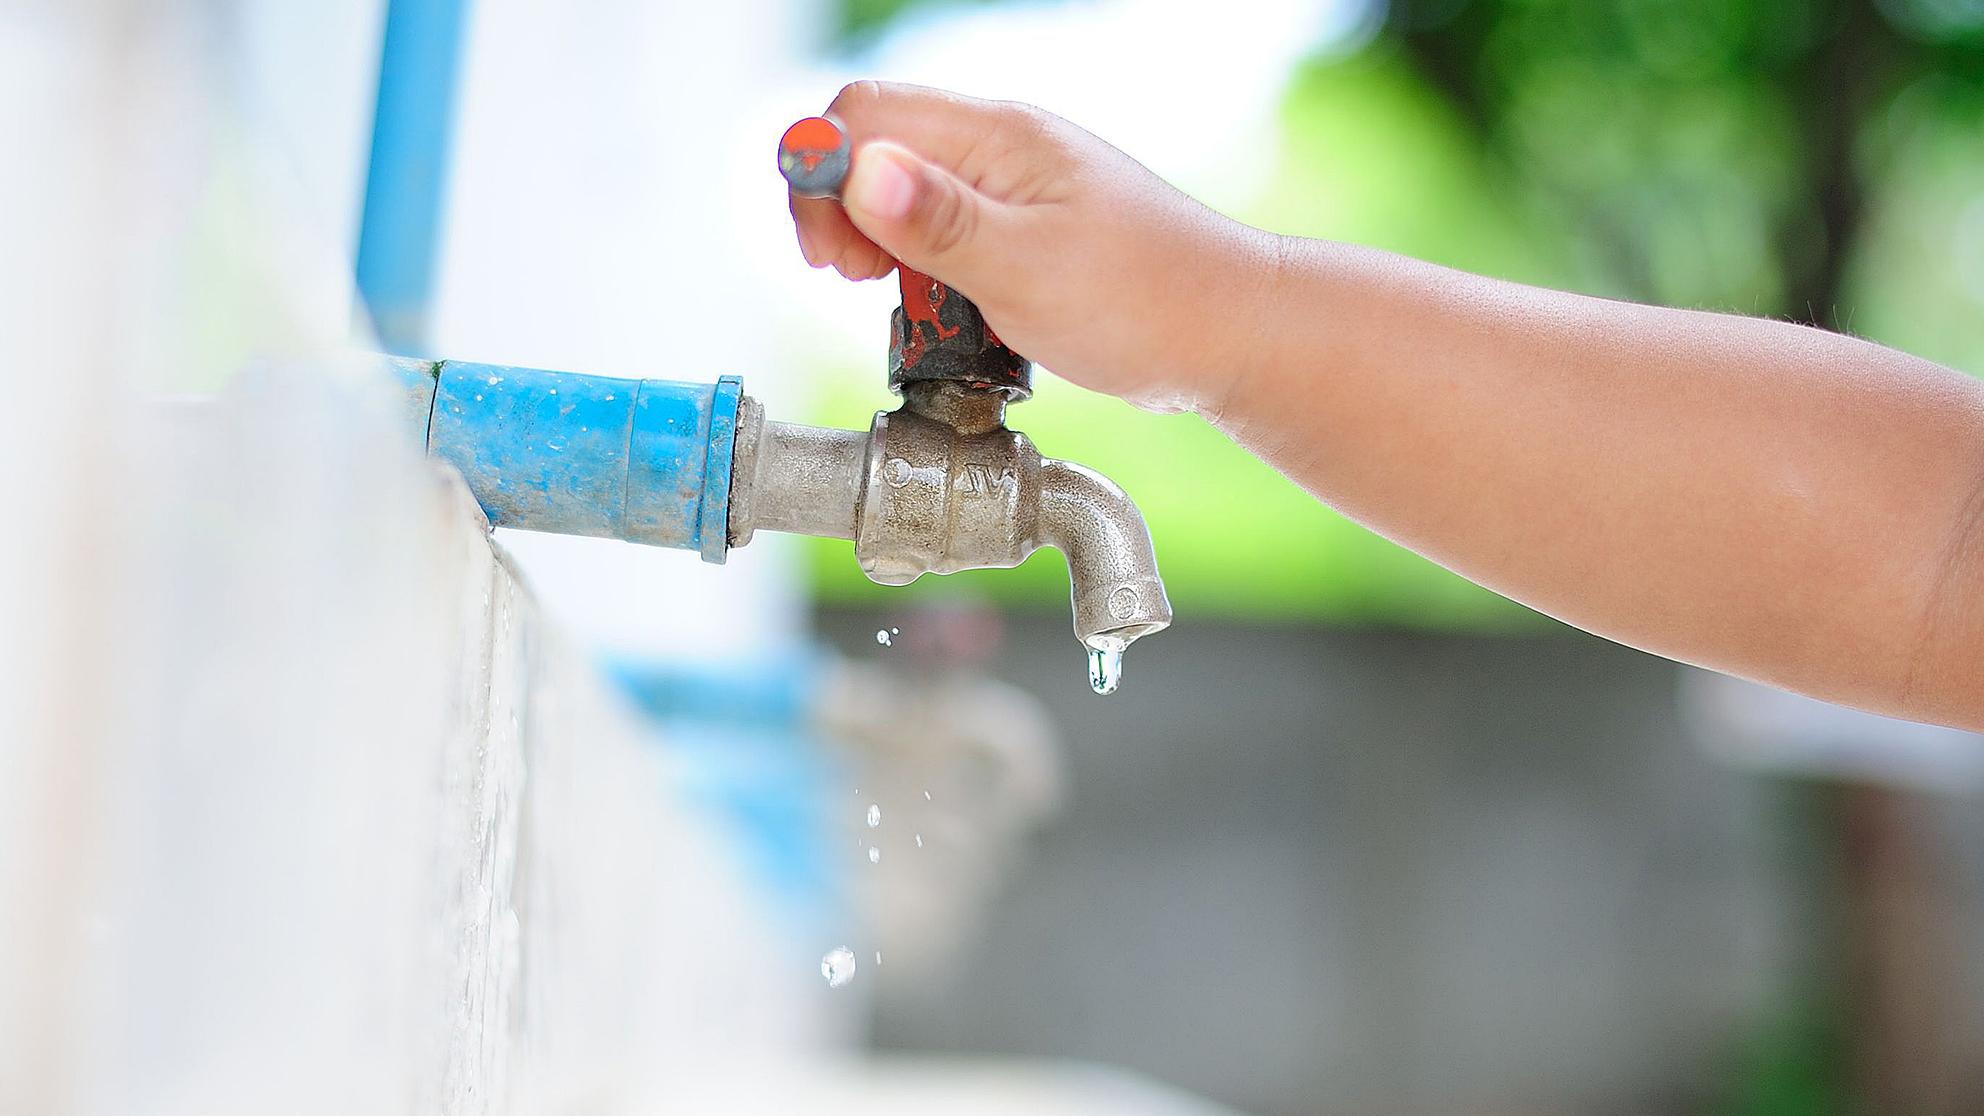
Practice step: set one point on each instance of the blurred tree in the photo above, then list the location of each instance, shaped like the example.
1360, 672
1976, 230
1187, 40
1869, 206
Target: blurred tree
1707, 152
858, 20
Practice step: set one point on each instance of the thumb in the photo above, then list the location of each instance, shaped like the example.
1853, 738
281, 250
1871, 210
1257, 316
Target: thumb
921, 214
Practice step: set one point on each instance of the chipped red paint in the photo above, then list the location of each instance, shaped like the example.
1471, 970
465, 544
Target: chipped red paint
923, 302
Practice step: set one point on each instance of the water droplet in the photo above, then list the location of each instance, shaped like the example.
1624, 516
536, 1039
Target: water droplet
838, 966
878, 957
874, 855
1105, 664
874, 815
926, 796
882, 636
919, 840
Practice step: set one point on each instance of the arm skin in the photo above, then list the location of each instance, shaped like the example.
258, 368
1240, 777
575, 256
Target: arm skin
1765, 499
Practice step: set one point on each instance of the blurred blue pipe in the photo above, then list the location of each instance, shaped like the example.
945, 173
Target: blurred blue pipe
406, 183
776, 694
745, 739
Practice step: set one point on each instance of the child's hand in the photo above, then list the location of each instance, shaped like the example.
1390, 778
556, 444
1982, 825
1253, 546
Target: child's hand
1078, 256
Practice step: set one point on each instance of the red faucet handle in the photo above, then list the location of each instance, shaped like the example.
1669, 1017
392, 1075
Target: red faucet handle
937, 334
814, 155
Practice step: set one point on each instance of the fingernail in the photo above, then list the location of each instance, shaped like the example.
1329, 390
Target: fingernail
881, 186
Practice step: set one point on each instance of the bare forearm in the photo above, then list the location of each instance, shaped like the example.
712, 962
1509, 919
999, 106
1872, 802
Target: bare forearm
1776, 501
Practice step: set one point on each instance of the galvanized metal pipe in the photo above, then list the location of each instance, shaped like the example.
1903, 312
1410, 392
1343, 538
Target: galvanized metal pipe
804, 480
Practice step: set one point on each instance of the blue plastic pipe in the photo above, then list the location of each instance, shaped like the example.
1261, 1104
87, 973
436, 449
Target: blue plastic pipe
647, 461
407, 177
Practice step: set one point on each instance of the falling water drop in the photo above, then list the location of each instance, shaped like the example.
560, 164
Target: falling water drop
874, 815
919, 840
838, 966
926, 796
882, 637
878, 958
874, 855
1105, 665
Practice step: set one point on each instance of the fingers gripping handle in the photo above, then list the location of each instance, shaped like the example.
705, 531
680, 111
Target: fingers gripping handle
937, 333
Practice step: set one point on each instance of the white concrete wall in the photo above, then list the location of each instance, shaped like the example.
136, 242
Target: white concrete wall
304, 805
363, 817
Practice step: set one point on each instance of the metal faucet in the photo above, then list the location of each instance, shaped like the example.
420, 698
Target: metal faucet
941, 485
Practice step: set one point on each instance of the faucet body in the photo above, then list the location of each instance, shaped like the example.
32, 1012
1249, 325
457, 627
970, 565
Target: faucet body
941, 485
936, 486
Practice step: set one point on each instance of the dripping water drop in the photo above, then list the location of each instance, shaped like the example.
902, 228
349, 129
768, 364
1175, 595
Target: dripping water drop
874, 855
1105, 664
838, 966
874, 815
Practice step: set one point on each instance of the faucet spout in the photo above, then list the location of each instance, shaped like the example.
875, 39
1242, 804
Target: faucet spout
1112, 569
